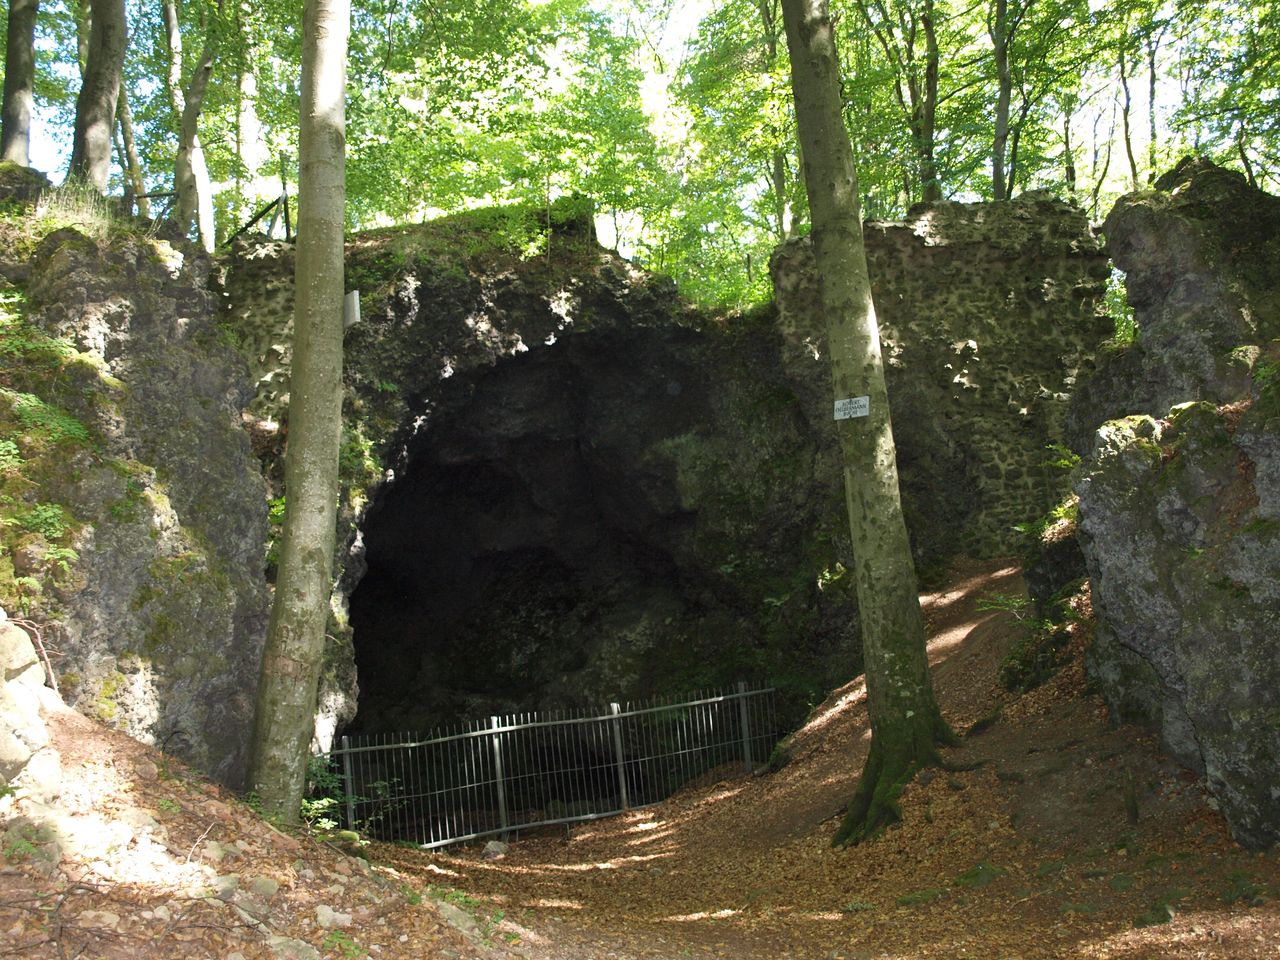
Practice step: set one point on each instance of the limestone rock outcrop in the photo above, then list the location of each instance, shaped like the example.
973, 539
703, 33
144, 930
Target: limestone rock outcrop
160, 634
561, 484
28, 763
1180, 499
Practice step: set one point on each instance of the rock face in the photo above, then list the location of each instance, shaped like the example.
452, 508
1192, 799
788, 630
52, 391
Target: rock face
575, 488
27, 761
562, 486
1180, 511
987, 317
1202, 262
161, 635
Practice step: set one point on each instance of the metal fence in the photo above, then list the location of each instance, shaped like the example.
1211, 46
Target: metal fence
524, 770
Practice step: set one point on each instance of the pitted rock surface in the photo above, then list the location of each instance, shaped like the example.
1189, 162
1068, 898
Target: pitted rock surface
988, 315
564, 485
1180, 508
162, 634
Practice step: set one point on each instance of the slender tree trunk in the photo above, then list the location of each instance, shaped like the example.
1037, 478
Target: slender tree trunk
1100, 175
1126, 105
1244, 158
778, 160
96, 105
999, 31
251, 149
1153, 48
930, 186
296, 634
1014, 142
905, 721
1068, 154
84, 27
190, 172
19, 82
132, 165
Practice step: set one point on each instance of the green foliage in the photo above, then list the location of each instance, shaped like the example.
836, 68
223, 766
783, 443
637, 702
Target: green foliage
1037, 654
1243, 888
1061, 457
1034, 658
10, 458
322, 805
1066, 513
1116, 304
980, 875
357, 466
857, 906
76, 204
340, 943
326, 799
47, 519
921, 897
41, 418
1159, 912
19, 847
454, 896
1266, 380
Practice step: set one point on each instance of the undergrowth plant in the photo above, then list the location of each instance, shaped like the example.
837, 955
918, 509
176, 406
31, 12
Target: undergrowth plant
38, 438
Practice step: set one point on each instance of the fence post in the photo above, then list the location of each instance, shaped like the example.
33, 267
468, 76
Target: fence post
348, 784
500, 778
745, 716
618, 758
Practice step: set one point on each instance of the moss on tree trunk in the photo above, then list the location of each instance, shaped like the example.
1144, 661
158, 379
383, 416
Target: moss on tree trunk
905, 722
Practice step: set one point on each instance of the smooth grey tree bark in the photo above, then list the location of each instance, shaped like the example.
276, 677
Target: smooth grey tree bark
19, 82
191, 179
131, 162
906, 724
92, 139
296, 633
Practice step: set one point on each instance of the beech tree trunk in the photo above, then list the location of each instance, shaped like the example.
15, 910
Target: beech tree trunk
190, 172
1153, 49
778, 161
1068, 155
930, 186
905, 721
132, 165
999, 31
296, 633
19, 82
1126, 105
251, 149
96, 106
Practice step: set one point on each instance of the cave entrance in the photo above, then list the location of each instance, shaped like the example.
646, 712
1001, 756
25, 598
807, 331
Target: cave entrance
526, 554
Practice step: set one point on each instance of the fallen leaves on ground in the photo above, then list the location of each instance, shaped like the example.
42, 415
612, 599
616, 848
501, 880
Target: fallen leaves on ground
1025, 848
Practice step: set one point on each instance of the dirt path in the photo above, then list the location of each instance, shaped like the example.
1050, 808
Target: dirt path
1031, 854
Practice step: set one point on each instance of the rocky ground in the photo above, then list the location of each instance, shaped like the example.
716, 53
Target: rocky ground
1056, 835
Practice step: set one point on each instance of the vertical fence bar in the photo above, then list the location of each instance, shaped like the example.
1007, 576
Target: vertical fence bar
494, 724
559, 771
348, 784
618, 757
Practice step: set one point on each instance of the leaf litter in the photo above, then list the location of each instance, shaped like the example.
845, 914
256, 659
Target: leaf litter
1053, 833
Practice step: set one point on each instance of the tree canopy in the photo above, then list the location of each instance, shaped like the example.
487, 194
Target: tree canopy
681, 129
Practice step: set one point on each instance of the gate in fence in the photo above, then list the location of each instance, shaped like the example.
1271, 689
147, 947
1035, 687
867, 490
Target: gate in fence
524, 770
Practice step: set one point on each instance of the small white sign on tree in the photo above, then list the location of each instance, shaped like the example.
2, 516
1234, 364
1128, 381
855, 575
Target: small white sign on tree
853, 407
